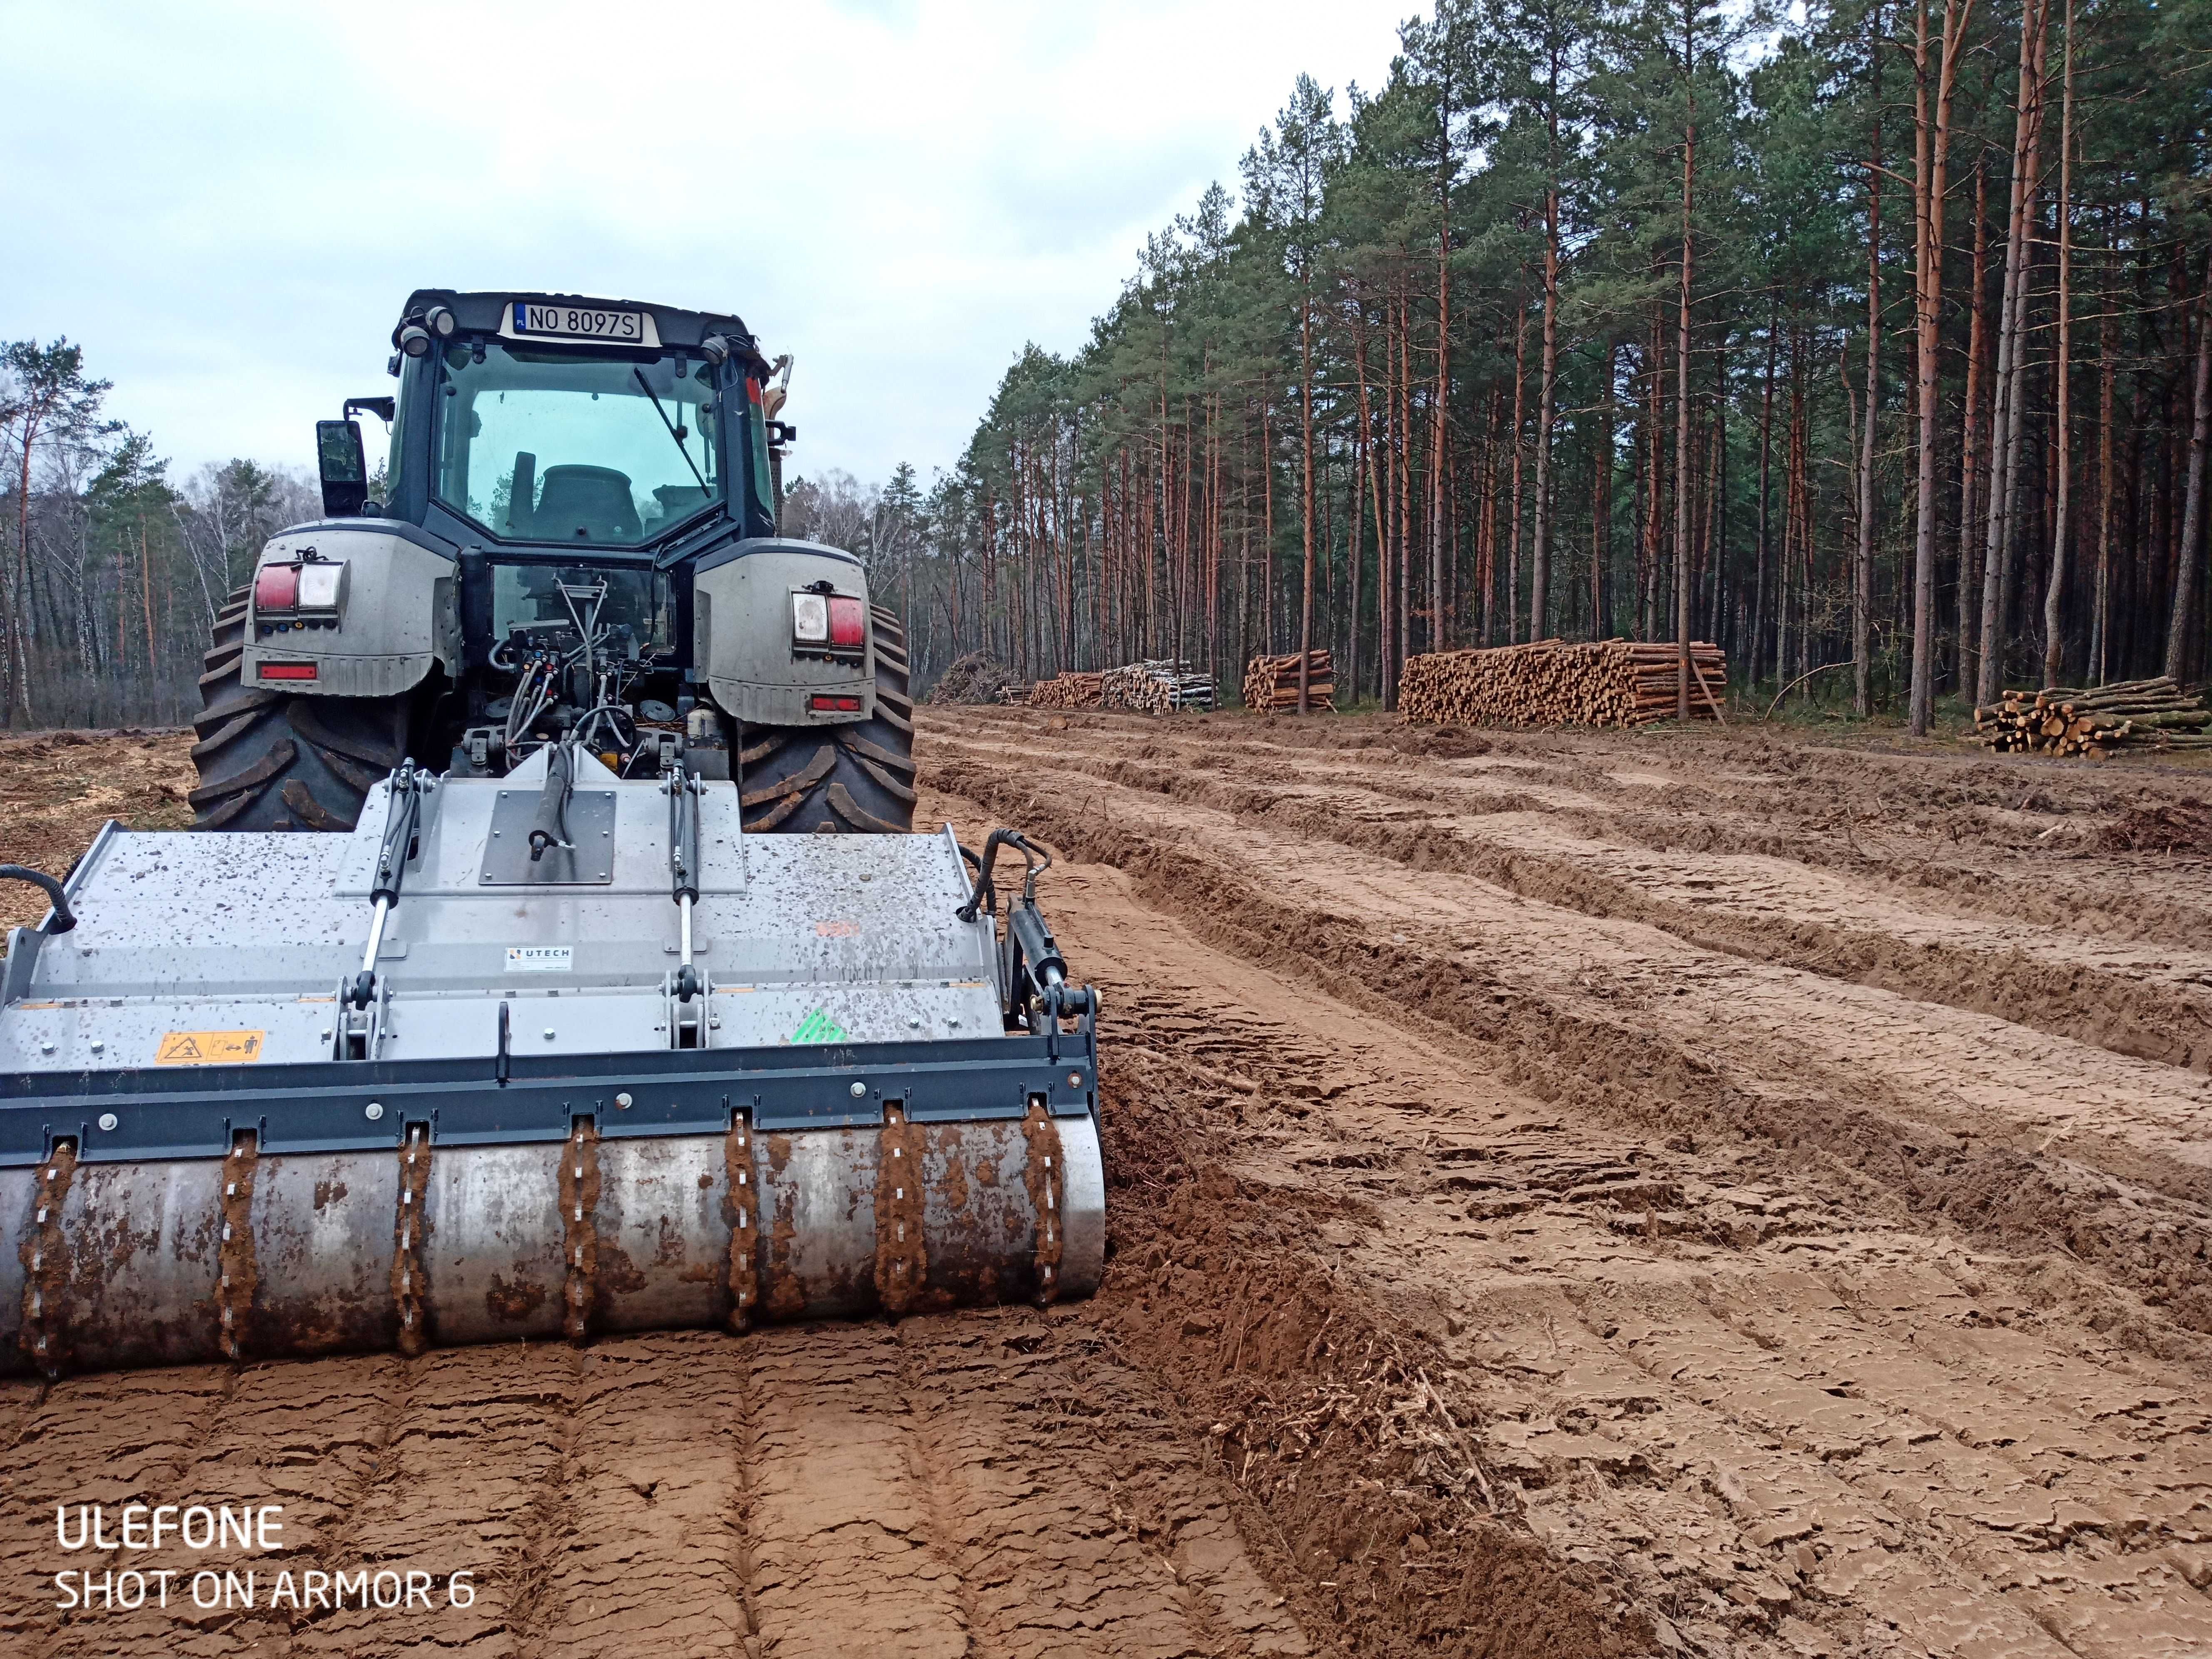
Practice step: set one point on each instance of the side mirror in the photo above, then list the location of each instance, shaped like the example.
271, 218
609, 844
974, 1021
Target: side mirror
345, 473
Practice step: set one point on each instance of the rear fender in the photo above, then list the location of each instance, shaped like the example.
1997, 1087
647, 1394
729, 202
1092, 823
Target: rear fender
396, 613
743, 639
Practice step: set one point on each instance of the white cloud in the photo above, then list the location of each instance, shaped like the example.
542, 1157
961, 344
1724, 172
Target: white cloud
228, 203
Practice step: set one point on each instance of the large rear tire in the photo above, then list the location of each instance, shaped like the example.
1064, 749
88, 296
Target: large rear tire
271, 761
855, 779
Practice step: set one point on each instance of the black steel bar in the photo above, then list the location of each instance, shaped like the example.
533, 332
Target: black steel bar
324, 1106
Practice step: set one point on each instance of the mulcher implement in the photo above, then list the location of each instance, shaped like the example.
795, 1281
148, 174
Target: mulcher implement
280, 1095
553, 953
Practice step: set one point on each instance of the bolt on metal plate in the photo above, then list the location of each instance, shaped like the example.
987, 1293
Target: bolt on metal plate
590, 862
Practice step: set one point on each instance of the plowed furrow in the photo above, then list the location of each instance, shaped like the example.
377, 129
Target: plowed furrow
842, 1556
472, 1475
2147, 999
1063, 1546
1952, 1111
647, 1558
1778, 1420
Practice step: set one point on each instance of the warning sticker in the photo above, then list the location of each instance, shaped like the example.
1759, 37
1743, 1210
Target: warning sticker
209, 1049
538, 959
819, 1027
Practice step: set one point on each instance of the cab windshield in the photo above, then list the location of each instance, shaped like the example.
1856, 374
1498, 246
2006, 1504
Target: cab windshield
549, 446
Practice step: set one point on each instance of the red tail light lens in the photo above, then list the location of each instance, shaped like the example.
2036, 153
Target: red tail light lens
848, 623
836, 705
288, 671
277, 587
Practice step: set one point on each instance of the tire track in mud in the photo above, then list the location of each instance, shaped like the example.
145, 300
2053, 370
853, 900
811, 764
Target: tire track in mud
1696, 1407
2014, 840
1074, 1517
2144, 1003
1544, 993
1374, 1524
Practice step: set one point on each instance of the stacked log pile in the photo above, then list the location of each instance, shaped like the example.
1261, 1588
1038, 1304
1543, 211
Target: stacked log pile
1271, 683
1068, 691
1157, 688
1550, 683
2153, 714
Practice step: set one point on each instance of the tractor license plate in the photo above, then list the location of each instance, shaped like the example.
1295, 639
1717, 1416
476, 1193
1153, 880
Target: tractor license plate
552, 322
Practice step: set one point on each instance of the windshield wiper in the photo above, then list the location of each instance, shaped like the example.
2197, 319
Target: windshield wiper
638, 374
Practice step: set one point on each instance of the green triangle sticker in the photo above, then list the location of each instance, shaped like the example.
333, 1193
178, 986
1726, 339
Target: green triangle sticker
819, 1027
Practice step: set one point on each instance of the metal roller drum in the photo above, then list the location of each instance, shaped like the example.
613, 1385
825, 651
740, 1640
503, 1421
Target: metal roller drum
322, 1246
142, 1273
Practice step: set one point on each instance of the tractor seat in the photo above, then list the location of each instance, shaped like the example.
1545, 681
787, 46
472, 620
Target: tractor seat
679, 500
586, 503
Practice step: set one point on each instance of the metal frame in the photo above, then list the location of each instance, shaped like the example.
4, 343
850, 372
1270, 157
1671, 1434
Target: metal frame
195, 1112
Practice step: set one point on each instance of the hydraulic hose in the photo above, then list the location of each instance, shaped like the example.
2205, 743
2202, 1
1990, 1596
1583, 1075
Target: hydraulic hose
550, 826
64, 918
985, 895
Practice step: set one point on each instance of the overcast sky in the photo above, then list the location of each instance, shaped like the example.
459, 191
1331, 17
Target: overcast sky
226, 202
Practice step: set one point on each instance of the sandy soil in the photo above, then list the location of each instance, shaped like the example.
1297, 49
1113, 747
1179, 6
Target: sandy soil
58, 787
1570, 1195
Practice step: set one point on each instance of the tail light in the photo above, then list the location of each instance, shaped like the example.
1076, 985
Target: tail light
835, 705
318, 586
288, 671
314, 589
277, 587
833, 620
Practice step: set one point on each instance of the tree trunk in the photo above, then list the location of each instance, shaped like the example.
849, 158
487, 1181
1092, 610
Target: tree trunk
1602, 503
1682, 379
1765, 497
1539, 553
1863, 567
1969, 463
1267, 534
1440, 452
2006, 416
1931, 155
2100, 618
1306, 511
2183, 657
1654, 489
1513, 539
1405, 458
1487, 535
2054, 597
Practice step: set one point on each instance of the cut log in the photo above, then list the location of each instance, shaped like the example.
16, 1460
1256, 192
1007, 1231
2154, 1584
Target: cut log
1550, 683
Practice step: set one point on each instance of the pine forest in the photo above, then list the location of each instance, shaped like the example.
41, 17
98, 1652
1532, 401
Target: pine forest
1871, 340
1868, 342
